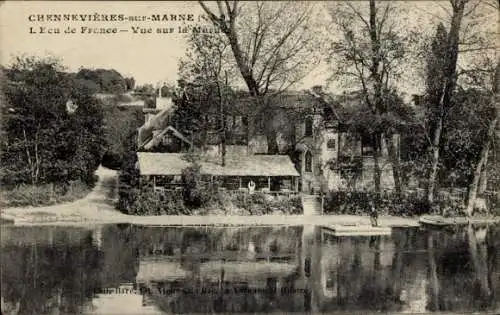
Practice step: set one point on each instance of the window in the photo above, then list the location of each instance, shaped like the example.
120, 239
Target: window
309, 162
330, 145
309, 127
366, 145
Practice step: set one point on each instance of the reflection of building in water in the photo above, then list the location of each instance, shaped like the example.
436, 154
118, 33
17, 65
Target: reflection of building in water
228, 269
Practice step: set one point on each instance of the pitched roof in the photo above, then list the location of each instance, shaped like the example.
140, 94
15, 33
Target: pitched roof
252, 165
159, 121
148, 144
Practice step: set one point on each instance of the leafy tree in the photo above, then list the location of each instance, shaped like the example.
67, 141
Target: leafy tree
109, 80
44, 142
119, 124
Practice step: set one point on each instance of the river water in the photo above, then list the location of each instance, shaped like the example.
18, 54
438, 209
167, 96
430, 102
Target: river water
127, 269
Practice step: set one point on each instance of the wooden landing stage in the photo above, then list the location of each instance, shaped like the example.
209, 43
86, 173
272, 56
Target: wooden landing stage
356, 230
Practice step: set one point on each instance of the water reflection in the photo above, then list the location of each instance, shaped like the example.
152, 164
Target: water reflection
131, 269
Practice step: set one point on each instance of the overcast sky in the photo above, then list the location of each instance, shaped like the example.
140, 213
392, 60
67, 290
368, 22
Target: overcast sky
149, 58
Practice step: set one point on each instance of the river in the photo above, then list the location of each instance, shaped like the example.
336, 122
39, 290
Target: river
128, 269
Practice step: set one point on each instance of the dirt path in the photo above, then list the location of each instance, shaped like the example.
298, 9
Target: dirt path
97, 205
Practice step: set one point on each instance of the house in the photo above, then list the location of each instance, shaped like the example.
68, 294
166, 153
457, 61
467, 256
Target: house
331, 156
266, 173
311, 132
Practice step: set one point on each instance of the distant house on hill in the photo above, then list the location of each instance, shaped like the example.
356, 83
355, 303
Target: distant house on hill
122, 100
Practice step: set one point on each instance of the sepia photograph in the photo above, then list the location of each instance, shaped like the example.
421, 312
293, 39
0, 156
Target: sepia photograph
250, 157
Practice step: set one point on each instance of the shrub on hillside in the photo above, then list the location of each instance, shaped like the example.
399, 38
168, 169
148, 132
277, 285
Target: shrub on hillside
43, 195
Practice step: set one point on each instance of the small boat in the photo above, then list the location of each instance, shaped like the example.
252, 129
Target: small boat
438, 220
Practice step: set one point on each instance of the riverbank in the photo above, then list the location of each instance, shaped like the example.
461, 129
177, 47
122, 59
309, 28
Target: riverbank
98, 207
168, 220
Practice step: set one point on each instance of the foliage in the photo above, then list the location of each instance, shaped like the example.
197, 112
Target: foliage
145, 89
42, 195
358, 203
203, 80
150, 202
146, 201
107, 80
119, 125
195, 193
465, 131
43, 141
129, 177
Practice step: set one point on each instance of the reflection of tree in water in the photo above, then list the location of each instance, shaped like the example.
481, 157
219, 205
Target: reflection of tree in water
45, 278
120, 253
370, 273
460, 270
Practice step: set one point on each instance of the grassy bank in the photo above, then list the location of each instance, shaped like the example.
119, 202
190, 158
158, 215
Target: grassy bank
42, 195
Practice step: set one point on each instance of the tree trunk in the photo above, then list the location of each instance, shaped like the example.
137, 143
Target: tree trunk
241, 61
376, 163
481, 164
272, 143
269, 127
483, 181
449, 70
431, 185
393, 149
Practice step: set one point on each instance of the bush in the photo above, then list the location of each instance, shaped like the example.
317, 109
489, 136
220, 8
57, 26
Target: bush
43, 195
259, 203
146, 201
357, 203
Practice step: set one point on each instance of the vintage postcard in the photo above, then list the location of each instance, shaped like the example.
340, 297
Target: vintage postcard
192, 157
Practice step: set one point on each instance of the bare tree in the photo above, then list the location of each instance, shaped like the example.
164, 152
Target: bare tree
368, 58
272, 46
207, 69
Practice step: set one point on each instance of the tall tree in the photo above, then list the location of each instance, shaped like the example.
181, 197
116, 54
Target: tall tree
444, 57
205, 88
457, 43
272, 47
480, 165
368, 58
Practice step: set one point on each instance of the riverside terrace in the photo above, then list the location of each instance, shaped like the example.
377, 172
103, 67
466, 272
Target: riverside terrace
272, 174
